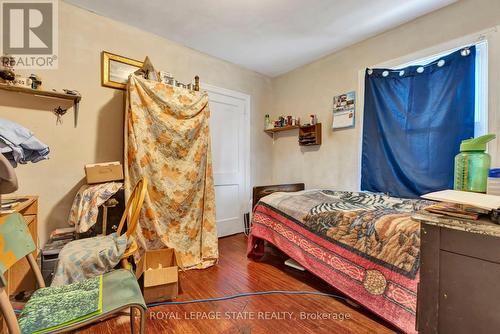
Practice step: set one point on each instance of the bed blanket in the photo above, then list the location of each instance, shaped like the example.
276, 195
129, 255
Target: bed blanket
365, 245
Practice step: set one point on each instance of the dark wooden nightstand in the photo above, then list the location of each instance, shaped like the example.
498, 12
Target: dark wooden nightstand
459, 290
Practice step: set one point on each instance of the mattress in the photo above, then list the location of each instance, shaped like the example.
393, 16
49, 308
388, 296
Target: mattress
363, 244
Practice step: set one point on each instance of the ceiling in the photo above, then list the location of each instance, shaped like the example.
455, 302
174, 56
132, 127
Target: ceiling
268, 36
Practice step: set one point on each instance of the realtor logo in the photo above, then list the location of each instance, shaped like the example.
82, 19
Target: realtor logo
29, 32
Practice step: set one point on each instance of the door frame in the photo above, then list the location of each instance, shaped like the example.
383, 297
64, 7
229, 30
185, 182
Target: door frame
246, 99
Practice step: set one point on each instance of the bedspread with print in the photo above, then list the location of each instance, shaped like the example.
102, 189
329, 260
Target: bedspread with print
366, 245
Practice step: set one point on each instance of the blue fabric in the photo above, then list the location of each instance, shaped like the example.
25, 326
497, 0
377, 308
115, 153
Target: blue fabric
19, 145
414, 123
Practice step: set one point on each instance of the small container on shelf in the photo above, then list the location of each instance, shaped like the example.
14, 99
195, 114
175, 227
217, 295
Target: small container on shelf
267, 122
493, 185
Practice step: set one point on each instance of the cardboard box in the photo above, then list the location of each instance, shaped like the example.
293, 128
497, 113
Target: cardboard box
160, 275
104, 172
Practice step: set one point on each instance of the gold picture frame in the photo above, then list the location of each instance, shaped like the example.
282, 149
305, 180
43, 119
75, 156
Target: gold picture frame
116, 69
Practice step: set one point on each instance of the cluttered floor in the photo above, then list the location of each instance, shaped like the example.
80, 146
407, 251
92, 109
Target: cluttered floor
255, 314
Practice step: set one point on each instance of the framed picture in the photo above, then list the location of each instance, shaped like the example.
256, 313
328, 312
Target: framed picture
344, 108
116, 70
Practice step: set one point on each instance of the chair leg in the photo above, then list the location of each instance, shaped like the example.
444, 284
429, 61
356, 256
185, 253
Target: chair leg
143, 319
132, 320
8, 313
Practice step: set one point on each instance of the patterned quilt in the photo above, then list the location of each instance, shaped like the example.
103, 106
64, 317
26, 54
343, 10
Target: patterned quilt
363, 244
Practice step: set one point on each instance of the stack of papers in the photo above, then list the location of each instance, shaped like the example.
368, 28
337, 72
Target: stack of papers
477, 200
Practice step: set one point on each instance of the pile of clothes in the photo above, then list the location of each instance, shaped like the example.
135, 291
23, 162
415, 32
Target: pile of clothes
19, 145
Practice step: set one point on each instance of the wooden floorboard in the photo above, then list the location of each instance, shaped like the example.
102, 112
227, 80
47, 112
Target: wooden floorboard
236, 274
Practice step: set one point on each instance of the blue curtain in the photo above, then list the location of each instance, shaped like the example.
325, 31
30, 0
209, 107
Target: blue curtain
414, 121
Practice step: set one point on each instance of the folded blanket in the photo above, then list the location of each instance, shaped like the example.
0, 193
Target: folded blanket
19, 145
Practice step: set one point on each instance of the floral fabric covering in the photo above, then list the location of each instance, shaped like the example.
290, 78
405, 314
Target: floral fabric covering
51, 308
85, 208
168, 141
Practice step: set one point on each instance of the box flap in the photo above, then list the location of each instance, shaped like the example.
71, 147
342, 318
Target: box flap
160, 276
158, 258
140, 267
112, 163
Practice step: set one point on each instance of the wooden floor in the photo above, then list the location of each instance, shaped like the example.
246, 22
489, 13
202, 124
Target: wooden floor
271, 314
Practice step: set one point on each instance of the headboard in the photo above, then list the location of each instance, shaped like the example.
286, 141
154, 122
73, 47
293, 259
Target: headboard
261, 191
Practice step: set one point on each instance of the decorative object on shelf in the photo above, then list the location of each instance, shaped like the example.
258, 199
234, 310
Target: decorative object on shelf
281, 124
148, 70
22, 81
167, 78
310, 135
7, 73
196, 83
314, 119
267, 122
116, 70
36, 81
344, 107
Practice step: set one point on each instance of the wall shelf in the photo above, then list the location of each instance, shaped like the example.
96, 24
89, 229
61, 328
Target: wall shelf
46, 94
310, 135
284, 128
39, 92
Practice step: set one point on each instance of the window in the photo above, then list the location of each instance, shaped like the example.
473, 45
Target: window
415, 117
481, 93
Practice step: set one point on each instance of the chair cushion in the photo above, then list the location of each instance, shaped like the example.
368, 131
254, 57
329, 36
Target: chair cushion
51, 308
85, 258
119, 289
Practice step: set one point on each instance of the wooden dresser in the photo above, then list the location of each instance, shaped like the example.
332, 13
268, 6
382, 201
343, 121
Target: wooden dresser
459, 290
20, 277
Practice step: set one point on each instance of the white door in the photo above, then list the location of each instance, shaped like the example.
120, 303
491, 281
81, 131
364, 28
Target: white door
229, 129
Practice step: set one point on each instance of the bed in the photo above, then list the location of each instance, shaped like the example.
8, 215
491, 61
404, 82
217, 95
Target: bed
363, 244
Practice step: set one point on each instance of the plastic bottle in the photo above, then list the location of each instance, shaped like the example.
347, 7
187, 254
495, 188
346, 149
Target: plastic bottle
472, 164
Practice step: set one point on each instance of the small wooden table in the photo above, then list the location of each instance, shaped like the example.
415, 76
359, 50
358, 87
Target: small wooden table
459, 289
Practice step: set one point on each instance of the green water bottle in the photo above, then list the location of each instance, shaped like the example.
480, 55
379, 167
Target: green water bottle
472, 164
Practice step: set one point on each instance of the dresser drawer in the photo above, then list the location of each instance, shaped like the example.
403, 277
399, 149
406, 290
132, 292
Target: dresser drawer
471, 244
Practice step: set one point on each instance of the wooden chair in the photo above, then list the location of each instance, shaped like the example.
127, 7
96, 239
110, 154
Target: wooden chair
86, 253
131, 215
120, 290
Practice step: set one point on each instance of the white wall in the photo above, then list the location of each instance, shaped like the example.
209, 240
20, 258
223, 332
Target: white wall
99, 135
310, 89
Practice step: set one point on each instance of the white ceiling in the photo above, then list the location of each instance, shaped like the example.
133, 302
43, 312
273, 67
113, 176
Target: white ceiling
268, 36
